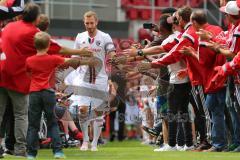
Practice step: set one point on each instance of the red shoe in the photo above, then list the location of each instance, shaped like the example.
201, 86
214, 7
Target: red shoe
78, 136
46, 141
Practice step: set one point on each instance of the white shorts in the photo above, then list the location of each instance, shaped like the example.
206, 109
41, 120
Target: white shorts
94, 103
87, 101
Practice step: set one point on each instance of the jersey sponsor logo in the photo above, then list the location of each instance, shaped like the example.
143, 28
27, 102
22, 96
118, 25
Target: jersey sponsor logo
98, 43
96, 49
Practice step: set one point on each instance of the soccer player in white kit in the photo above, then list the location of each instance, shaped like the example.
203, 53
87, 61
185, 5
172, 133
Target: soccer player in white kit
91, 82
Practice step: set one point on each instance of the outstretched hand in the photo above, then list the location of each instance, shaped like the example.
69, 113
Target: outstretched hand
213, 45
118, 60
142, 67
204, 34
74, 62
93, 62
132, 52
86, 52
190, 51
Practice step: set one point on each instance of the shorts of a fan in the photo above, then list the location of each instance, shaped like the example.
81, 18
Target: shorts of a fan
59, 112
162, 106
74, 111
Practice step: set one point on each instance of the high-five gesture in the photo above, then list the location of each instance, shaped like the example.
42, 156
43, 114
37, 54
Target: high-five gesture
142, 67
204, 34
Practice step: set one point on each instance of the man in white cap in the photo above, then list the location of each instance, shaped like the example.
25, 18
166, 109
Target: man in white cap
232, 43
232, 13
232, 10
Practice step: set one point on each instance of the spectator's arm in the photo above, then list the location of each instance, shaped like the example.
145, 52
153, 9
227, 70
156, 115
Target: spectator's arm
81, 52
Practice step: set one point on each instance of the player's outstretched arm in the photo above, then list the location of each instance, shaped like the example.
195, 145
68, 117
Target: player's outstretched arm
146, 51
76, 62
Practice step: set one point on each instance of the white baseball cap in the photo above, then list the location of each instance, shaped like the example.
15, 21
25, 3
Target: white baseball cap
231, 8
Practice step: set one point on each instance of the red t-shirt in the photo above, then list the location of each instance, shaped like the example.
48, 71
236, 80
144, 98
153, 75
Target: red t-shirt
17, 44
41, 68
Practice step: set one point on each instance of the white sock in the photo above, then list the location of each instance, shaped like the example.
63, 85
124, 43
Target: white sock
67, 136
84, 127
97, 129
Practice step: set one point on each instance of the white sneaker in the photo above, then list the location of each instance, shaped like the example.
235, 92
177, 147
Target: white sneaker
160, 149
94, 148
145, 142
180, 148
167, 148
84, 146
190, 148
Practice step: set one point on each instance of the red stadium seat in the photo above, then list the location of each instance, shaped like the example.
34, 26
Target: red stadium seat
162, 3
179, 3
145, 14
132, 14
125, 3
195, 3
157, 15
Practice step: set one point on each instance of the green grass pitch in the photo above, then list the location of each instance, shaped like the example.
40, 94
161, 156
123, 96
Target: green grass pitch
131, 150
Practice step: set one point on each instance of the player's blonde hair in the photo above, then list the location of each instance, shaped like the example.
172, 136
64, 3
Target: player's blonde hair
90, 14
41, 40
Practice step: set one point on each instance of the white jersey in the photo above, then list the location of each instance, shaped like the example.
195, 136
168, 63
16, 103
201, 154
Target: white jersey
175, 67
92, 77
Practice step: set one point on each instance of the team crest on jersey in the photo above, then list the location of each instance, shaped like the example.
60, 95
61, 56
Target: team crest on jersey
98, 43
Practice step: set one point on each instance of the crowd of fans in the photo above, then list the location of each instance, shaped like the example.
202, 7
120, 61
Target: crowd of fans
203, 73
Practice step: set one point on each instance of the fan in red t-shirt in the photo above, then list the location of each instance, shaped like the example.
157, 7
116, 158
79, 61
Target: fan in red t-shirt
42, 97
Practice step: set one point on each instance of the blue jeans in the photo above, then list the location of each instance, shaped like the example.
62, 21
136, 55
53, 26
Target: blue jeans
215, 102
42, 101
